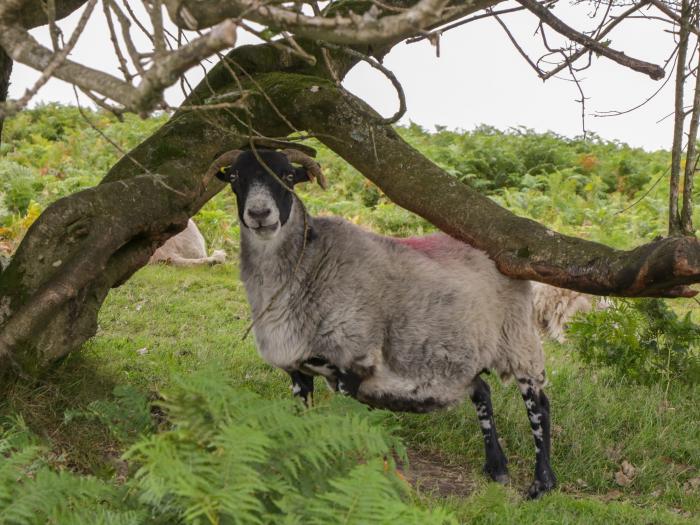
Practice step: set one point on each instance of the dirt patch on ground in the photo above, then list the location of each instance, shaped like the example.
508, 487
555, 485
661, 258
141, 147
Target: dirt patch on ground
431, 473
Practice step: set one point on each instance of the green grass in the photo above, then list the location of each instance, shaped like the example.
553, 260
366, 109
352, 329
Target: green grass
187, 319
167, 322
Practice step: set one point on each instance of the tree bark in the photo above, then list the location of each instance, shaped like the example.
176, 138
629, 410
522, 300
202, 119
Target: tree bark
674, 218
5, 72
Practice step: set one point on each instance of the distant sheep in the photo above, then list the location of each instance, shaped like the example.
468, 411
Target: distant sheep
555, 307
402, 324
187, 248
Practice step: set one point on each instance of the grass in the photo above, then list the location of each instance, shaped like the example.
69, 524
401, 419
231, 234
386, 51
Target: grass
168, 321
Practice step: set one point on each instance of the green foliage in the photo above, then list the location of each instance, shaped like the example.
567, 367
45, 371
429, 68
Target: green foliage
127, 416
225, 456
642, 340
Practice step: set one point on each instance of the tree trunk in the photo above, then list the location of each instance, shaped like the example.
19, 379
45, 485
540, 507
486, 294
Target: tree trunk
87, 243
5, 71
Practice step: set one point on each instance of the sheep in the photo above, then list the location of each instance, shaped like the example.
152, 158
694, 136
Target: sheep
401, 324
187, 248
555, 307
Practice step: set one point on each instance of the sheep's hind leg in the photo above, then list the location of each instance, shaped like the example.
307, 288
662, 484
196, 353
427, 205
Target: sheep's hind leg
302, 386
537, 406
496, 462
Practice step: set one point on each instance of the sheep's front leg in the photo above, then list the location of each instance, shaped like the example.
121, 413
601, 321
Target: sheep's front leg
302, 386
537, 406
339, 380
496, 461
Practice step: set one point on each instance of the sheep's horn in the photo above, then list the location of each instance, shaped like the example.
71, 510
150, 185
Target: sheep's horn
222, 161
312, 167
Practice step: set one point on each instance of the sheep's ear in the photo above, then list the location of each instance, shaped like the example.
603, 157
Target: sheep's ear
300, 175
224, 174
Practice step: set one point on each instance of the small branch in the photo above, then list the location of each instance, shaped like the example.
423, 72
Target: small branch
55, 62
691, 160
123, 67
604, 32
155, 11
125, 24
672, 15
518, 47
170, 66
387, 73
439, 32
540, 11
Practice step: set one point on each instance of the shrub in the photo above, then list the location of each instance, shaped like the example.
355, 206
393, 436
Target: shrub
225, 456
642, 340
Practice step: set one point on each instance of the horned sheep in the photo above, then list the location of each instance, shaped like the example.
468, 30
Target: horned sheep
402, 324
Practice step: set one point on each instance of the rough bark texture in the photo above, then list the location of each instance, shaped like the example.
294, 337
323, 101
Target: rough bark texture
5, 71
94, 240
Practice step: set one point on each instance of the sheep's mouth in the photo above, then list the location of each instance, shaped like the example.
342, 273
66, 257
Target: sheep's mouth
267, 231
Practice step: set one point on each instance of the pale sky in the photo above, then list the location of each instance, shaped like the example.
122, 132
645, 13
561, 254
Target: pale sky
478, 79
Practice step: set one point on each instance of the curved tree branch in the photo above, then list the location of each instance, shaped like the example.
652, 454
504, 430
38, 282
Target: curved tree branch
521, 248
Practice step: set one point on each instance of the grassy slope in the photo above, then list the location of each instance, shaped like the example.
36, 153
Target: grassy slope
186, 318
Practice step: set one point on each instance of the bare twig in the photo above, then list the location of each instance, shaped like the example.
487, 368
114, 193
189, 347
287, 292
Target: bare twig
54, 63
123, 67
386, 72
652, 70
676, 17
691, 160
601, 33
440, 31
105, 136
518, 46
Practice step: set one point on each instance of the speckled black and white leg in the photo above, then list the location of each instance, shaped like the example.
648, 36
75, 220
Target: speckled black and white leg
302, 386
538, 412
340, 380
496, 462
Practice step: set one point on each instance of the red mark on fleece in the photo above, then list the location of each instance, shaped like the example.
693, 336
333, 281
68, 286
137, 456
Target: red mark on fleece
426, 243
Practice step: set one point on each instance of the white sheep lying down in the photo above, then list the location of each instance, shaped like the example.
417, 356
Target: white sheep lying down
403, 324
187, 248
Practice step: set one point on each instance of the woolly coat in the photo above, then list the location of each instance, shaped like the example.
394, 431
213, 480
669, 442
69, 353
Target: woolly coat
417, 319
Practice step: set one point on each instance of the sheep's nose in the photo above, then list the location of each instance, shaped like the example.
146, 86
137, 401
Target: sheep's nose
259, 214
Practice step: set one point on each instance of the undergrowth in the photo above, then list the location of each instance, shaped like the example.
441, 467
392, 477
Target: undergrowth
219, 455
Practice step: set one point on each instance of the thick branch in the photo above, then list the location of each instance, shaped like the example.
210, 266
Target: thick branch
654, 71
350, 29
522, 248
32, 13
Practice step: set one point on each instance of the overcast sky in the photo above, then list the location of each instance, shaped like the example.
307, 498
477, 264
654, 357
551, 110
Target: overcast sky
478, 79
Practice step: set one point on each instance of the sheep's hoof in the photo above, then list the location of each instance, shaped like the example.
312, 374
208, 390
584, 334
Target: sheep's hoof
499, 473
539, 488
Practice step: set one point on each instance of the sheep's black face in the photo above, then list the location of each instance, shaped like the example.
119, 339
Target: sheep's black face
264, 201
